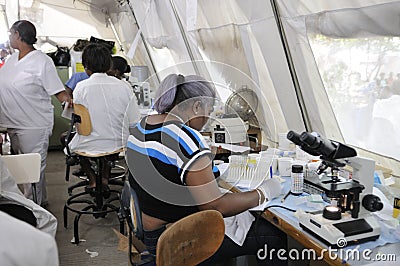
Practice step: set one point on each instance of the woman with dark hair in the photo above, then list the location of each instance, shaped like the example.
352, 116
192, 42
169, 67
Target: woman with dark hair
172, 172
107, 100
27, 82
119, 67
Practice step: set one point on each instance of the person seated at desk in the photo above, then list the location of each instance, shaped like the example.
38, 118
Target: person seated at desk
13, 202
119, 67
107, 100
171, 170
73, 81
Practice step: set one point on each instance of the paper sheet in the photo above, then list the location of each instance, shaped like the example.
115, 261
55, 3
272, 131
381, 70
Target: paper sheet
237, 226
231, 147
67, 112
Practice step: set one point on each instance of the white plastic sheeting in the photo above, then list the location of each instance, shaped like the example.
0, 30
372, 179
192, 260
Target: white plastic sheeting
231, 48
233, 42
61, 22
233, 37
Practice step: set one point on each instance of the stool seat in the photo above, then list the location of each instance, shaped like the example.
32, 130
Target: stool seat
82, 153
119, 174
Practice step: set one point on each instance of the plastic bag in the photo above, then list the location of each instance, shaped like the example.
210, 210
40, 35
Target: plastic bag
108, 44
61, 57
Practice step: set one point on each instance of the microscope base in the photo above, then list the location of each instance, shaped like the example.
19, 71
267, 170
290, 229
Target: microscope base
346, 231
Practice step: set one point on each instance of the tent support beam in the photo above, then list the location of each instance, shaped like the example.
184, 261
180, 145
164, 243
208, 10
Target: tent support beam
185, 39
144, 42
299, 94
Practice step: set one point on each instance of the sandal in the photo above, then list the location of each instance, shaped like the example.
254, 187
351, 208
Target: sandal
90, 190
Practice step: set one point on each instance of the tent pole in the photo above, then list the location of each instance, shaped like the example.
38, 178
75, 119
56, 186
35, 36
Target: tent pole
185, 39
115, 34
144, 42
299, 94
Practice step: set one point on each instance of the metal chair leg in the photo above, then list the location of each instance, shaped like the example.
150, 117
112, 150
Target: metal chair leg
65, 212
34, 195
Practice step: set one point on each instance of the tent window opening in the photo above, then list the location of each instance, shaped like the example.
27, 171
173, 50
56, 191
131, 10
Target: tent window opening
4, 45
361, 77
3, 26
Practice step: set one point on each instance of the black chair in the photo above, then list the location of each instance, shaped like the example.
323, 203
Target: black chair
188, 241
94, 202
130, 212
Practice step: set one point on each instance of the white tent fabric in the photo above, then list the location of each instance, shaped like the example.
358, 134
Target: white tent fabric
60, 21
246, 38
236, 43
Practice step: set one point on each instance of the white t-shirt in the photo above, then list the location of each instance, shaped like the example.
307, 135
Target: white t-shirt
107, 99
25, 89
23, 244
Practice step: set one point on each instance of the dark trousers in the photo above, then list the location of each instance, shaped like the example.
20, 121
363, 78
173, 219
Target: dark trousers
262, 234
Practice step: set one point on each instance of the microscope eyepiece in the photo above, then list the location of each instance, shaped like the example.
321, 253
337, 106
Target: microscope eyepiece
325, 147
294, 137
310, 140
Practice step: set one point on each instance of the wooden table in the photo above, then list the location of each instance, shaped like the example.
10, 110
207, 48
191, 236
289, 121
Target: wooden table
280, 221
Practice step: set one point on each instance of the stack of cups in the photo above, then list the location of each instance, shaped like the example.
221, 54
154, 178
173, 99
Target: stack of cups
284, 143
285, 166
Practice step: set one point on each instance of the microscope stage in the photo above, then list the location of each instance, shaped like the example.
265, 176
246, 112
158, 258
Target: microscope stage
325, 183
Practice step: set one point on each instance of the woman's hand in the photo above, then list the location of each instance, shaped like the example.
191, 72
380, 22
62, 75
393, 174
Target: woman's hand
205, 191
63, 97
271, 188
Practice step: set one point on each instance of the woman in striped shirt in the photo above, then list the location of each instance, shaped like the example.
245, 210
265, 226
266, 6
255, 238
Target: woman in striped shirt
171, 169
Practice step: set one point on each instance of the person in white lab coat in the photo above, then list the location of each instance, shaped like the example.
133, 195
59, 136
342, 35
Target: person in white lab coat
22, 244
14, 202
111, 109
27, 82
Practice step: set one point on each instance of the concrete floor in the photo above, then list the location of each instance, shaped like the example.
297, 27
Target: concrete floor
98, 233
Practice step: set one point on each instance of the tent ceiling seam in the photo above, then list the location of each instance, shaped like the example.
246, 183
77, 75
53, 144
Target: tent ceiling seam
229, 24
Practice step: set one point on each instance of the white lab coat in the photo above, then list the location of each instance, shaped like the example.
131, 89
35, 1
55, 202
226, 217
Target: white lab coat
46, 222
22, 244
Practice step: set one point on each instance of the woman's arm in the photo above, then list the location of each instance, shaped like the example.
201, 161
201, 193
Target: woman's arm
205, 191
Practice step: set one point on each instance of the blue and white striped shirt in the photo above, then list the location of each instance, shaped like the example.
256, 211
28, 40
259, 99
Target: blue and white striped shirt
159, 157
